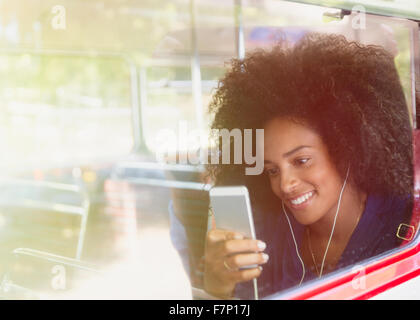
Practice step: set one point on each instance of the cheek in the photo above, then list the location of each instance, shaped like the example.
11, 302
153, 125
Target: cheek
275, 187
327, 178
327, 184
317, 178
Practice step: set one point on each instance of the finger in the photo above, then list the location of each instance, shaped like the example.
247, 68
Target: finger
212, 219
233, 235
218, 235
229, 247
246, 275
246, 259
215, 235
213, 222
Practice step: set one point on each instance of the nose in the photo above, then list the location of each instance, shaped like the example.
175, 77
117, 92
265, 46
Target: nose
288, 182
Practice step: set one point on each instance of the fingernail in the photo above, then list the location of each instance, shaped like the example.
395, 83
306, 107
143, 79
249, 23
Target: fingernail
237, 237
261, 268
265, 257
261, 245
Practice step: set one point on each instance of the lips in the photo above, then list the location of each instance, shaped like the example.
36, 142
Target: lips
302, 200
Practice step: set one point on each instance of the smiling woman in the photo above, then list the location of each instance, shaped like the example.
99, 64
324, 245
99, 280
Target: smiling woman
338, 162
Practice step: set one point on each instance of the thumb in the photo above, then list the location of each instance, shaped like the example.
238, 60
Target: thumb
212, 220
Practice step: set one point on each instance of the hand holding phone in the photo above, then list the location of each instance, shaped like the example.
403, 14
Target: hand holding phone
233, 254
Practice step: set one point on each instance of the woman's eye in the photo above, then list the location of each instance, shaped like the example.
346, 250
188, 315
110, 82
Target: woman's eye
272, 171
302, 161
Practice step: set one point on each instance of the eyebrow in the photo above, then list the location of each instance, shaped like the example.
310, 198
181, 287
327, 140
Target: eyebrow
289, 153
294, 150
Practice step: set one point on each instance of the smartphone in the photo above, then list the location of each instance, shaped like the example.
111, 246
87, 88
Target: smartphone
231, 208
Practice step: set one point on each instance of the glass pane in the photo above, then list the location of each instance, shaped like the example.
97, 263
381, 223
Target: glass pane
71, 91
54, 115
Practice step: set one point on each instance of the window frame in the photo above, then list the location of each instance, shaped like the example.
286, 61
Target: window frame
391, 11
338, 284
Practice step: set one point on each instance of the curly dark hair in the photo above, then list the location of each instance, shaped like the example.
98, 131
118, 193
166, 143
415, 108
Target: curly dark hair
349, 93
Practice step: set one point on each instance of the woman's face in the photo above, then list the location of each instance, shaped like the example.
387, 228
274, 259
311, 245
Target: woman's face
300, 170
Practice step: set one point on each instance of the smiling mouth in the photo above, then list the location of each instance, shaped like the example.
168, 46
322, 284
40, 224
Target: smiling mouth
302, 199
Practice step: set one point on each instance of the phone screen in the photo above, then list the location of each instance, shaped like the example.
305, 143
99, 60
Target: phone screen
232, 210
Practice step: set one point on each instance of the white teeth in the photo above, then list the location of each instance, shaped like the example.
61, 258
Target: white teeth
302, 199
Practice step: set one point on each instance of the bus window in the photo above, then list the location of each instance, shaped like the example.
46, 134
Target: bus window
112, 136
263, 26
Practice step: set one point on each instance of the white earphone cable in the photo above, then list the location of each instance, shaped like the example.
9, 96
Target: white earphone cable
335, 220
294, 240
